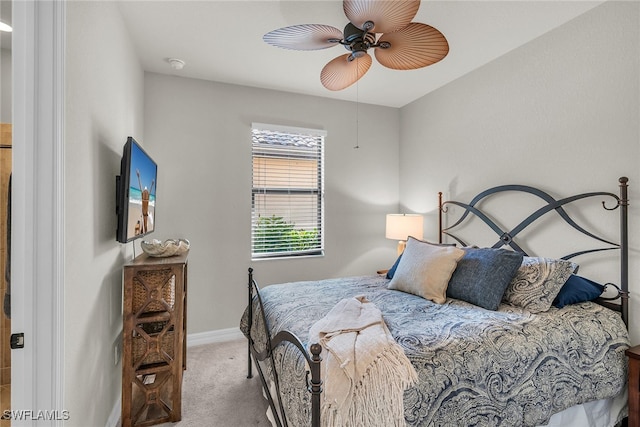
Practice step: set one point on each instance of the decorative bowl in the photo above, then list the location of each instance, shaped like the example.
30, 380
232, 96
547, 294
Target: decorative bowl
170, 247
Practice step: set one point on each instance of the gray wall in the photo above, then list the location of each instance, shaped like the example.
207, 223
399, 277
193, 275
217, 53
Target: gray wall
199, 132
104, 100
561, 113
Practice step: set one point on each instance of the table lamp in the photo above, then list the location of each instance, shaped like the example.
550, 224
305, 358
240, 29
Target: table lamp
401, 226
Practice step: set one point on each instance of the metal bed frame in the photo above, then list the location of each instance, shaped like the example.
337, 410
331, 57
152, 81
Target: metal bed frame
314, 385
506, 238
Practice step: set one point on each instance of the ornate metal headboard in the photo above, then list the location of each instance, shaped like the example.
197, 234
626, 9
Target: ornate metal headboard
509, 237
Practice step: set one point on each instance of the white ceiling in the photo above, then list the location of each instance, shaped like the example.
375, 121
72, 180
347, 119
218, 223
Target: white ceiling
221, 40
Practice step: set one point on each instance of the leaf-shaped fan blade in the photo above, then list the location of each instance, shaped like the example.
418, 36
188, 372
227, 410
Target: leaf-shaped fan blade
304, 37
415, 46
341, 73
386, 15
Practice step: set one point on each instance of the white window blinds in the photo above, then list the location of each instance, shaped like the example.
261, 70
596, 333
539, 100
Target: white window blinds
287, 209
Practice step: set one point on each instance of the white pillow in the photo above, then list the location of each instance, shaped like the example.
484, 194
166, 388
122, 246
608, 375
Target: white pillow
425, 270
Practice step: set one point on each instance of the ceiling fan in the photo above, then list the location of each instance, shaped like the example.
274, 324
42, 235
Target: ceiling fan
382, 25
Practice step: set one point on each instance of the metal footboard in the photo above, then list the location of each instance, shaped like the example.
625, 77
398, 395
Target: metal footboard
314, 383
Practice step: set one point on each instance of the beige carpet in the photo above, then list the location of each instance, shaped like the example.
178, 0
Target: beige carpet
216, 391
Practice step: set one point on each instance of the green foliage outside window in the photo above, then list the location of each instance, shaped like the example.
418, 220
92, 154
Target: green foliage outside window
274, 234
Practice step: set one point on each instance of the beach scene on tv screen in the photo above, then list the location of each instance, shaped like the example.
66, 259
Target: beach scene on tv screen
142, 194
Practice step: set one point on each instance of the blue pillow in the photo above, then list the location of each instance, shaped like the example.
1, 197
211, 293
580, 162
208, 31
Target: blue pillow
482, 276
577, 289
392, 270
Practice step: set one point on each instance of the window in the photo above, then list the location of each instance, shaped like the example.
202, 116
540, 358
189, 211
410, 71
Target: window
287, 209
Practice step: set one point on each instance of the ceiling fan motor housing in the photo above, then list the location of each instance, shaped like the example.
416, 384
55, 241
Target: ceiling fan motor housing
358, 41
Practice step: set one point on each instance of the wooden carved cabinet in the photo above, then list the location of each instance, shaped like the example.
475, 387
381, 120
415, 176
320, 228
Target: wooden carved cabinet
154, 343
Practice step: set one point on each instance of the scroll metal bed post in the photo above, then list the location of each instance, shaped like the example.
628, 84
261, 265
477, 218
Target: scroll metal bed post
440, 212
250, 320
624, 249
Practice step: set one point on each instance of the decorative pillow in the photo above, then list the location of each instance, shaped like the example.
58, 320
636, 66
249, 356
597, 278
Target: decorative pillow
578, 289
537, 283
425, 270
482, 276
393, 268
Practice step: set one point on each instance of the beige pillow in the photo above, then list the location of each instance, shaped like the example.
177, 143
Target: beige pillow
425, 270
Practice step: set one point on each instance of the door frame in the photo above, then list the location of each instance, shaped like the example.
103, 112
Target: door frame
37, 246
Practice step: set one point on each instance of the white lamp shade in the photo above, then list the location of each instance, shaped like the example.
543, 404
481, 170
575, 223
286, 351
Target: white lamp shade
401, 226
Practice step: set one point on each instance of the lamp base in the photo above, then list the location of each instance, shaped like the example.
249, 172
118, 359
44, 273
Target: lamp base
401, 245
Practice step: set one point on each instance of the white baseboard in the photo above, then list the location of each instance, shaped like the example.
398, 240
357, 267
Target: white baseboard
199, 338
209, 337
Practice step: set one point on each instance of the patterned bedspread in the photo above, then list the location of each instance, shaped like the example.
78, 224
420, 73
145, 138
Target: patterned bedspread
476, 367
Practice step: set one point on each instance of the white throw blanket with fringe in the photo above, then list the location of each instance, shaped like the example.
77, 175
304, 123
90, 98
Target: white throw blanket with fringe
365, 372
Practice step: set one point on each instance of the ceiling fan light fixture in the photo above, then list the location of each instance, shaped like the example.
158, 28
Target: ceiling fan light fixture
368, 26
357, 41
356, 54
382, 25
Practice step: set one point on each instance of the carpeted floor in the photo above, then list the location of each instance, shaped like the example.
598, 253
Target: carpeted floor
216, 391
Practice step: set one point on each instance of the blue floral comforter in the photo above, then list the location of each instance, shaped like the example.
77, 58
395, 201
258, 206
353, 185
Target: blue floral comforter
476, 367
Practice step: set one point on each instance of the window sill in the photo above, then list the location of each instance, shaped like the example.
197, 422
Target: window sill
287, 257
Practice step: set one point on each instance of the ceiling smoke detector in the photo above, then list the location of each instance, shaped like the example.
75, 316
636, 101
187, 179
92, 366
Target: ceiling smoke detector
176, 64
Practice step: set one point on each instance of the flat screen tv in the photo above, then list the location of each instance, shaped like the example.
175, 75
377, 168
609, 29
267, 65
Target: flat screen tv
136, 193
